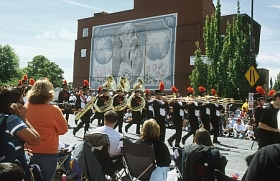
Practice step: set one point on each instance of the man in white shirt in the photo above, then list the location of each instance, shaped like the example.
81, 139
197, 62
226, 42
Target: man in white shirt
110, 119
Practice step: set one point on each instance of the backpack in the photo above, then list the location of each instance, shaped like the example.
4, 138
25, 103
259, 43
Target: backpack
197, 162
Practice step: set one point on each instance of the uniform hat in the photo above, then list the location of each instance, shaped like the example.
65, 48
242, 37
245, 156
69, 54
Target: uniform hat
64, 83
86, 85
147, 92
213, 92
201, 90
190, 91
161, 89
175, 91
260, 93
270, 94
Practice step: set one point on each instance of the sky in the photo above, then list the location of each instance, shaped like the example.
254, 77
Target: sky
49, 27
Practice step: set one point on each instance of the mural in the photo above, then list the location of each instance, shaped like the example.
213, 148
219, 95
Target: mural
139, 48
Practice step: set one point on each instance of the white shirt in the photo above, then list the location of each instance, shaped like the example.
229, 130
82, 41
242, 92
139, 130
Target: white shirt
239, 127
114, 138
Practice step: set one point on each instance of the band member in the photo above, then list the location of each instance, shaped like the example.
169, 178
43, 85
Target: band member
259, 97
148, 111
101, 101
178, 113
204, 110
63, 97
268, 125
193, 111
136, 114
118, 100
215, 118
97, 115
85, 119
160, 108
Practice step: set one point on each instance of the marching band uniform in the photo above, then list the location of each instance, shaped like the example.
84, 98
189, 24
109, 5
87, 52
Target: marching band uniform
101, 101
215, 119
268, 125
178, 114
160, 113
204, 115
136, 115
118, 99
64, 96
193, 111
148, 111
85, 119
98, 115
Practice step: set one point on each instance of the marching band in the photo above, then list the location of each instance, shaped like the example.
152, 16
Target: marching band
203, 110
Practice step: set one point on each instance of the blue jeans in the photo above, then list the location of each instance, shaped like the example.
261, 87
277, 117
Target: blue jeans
47, 163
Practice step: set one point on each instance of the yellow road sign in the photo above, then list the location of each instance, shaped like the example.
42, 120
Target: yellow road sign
252, 76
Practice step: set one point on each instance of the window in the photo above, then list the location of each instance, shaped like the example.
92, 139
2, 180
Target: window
85, 32
83, 52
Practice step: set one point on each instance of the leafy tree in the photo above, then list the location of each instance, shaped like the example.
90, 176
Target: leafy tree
9, 65
198, 75
41, 67
276, 85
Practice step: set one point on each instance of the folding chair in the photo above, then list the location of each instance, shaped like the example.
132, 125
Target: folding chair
139, 158
64, 157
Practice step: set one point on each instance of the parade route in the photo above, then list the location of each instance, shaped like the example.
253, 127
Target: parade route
235, 150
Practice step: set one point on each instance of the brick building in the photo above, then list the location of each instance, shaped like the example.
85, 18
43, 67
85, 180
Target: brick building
154, 41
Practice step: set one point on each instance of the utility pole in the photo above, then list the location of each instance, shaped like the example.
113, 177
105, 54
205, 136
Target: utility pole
251, 38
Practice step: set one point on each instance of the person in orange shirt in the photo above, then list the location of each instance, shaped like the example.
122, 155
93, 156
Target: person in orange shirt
49, 121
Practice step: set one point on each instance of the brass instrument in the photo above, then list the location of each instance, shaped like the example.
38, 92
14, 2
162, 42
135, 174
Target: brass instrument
87, 107
124, 86
138, 86
110, 84
105, 107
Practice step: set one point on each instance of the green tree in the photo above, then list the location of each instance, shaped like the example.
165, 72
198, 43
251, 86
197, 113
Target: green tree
199, 74
9, 65
276, 85
213, 44
41, 67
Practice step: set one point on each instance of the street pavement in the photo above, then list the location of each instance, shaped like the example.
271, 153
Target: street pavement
235, 150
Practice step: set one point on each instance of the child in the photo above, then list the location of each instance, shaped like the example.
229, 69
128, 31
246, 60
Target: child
128, 116
250, 133
227, 128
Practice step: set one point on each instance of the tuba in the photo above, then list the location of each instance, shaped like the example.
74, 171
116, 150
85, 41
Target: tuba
87, 107
110, 84
124, 86
138, 86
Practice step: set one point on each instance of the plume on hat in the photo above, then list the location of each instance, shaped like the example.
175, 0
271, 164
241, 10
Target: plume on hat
161, 86
99, 89
64, 82
260, 90
201, 89
190, 90
25, 78
147, 91
32, 81
174, 89
271, 93
86, 84
19, 82
213, 91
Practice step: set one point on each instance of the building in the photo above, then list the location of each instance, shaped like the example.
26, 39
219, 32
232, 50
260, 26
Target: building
154, 41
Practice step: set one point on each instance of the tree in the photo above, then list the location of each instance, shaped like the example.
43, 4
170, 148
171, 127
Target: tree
198, 75
276, 85
9, 65
41, 67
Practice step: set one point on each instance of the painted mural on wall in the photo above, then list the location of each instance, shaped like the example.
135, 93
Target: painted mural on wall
142, 48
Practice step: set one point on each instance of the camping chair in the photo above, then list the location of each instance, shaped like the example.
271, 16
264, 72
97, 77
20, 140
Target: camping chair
139, 159
99, 144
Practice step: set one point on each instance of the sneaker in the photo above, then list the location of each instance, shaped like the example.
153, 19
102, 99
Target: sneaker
227, 135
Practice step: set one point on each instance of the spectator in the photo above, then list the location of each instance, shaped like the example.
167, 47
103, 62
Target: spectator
239, 129
150, 133
17, 130
110, 119
11, 172
265, 164
227, 128
50, 123
127, 116
250, 133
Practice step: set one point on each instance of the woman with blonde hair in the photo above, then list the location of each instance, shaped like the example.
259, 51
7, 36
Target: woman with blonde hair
150, 133
49, 121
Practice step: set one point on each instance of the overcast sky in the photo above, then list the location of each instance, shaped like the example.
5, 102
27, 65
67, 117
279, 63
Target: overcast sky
49, 27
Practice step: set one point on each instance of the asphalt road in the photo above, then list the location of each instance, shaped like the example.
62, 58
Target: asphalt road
235, 150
